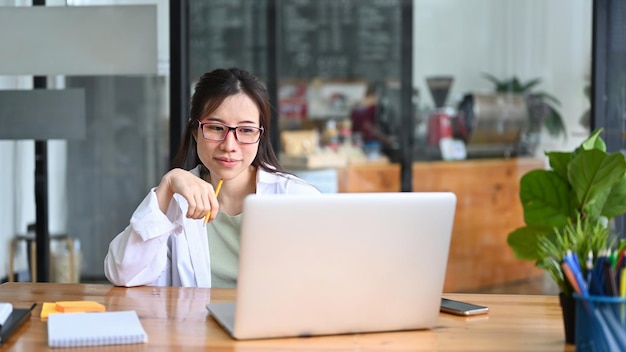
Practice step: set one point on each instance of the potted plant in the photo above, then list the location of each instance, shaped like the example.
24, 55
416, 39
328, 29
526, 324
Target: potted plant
541, 107
571, 207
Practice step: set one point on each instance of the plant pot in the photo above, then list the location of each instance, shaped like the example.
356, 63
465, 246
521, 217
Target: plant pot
568, 307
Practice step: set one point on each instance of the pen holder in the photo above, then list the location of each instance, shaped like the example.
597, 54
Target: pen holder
600, 323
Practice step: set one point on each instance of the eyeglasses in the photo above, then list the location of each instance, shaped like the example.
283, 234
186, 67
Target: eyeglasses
215, 131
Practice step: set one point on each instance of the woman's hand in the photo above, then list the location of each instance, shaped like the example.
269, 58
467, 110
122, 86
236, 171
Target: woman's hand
199, 194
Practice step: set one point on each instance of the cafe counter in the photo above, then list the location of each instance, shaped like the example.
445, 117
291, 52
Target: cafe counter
488, 209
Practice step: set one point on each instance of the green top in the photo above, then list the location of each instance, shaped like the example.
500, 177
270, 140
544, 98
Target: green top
224, 236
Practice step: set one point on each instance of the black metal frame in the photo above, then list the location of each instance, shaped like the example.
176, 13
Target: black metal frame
272, 71
179, 72
406, 97
42, 234
608, 70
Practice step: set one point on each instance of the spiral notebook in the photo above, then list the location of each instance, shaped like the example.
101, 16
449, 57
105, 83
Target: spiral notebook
95, 329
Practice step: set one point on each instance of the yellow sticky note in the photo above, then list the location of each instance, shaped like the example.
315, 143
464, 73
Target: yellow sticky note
79, 306
47, 309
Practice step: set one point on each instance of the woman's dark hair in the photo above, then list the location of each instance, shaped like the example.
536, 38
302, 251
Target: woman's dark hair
210, 91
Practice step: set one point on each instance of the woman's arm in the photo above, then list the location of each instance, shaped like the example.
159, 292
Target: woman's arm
139, 255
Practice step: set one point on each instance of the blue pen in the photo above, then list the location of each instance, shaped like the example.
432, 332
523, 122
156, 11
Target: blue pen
575, 259
597, 282
609, 279
571, 262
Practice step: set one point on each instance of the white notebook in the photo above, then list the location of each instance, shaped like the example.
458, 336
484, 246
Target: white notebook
95, 329
5, 311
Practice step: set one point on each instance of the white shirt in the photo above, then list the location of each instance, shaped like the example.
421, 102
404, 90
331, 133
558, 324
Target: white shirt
170, 249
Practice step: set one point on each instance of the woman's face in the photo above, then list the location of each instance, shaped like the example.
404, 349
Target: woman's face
229, 159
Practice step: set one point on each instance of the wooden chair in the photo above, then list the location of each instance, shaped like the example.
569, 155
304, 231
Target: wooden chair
31, 244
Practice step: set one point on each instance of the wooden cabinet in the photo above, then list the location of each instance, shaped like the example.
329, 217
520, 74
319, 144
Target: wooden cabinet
488, 209
374, 177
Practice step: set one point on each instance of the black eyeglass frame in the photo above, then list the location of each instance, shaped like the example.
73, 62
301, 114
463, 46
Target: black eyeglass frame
229, 128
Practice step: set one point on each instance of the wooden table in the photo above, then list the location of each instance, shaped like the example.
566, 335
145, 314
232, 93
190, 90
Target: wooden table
176, 320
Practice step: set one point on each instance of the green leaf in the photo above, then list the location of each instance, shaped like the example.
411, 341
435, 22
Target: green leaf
594, 141
554, 123
592, 173
616, 201
553, 267
545, 198
499, 86
545, 96
593, 209
515, 86
493, 79
559, 161
526, 87
524, 241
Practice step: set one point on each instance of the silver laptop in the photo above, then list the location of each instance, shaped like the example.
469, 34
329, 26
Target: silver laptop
339, 263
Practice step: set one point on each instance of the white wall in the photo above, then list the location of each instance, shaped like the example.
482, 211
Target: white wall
528, 39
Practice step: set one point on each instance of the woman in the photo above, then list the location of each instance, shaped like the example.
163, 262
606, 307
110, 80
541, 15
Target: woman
167, 242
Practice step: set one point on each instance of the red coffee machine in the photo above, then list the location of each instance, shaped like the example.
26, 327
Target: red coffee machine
440, 119
442, 122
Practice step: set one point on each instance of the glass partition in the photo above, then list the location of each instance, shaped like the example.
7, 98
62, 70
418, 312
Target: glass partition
490, 78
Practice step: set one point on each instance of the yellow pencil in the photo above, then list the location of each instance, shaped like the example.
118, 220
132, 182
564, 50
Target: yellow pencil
622, 292
217, 192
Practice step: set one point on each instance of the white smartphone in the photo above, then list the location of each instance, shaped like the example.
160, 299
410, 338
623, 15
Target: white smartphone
461, 308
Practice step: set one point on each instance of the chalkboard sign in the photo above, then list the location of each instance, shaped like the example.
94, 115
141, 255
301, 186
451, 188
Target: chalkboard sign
227, 33
340, 39
328, 39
